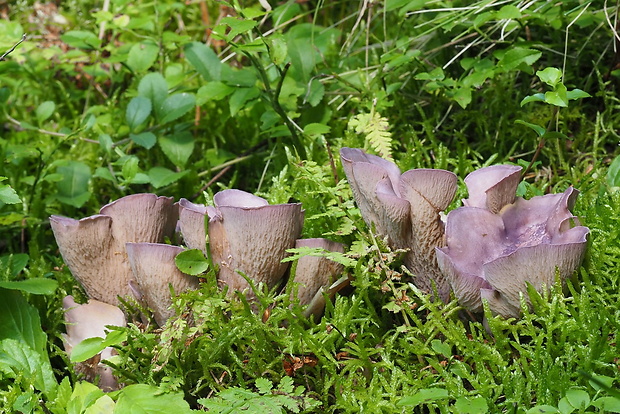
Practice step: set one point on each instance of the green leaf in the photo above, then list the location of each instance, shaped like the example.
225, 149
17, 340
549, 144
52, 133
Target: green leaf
213, 91
84, 395
148, 399
278, 49
192, 262
144, 139
23, 362
73, 188
538, 97
315, 92
161, 177
316, 129
36, 286
508, 12
434, 75
557, 97
142, 55
177, 105
204, 60
550, 76
81, 39
154, 87
607, 404
240, 97
578, 398
90, 347
263, 385
471, 405
462, 96
45, 110
423, 396
8, 195
138, 111
574, 94
178, 147
20, 321
15, 263
237, 27
516, 56
540, 131
302, 57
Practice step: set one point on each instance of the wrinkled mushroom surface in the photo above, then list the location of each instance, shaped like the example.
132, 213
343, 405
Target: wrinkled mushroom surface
249, 236
155, 270
494, 255
404, 208
94, 247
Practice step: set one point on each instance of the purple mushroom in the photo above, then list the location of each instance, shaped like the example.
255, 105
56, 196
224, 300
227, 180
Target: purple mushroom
498, 243
404, 208
94, 247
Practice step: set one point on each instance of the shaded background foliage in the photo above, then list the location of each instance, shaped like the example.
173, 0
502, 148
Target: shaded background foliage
187, 98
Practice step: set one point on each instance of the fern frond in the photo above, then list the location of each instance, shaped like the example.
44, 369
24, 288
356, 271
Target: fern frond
377, 132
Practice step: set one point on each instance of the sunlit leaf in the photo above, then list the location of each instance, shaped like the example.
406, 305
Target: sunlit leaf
192, 262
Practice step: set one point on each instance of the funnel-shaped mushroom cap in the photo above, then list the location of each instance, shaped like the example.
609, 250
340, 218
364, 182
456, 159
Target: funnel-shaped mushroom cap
192, 223
492, 187
316, 273
375, 185
155, 270
405, 208
495, 256
94, 247
250, 236
428, 192
89, 321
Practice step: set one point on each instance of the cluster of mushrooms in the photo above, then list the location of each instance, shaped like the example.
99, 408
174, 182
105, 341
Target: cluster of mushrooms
121, 253
490, 249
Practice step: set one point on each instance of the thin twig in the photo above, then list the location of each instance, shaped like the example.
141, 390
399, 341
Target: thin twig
13, 48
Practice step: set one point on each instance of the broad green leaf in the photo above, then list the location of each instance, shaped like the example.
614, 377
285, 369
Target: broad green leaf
517, 56
20, 321
73, 188
148, 399
204, 60
316, 129
14, 263
434, 75
45, 110
462, 96
471, 405
161, 177
17, 357
81, 39
178, 147
105, 141
237, 26
538, 97
557, 97
278, 49
607, 404
540, 131
154, 87
177, 105
423, 396
508, 12
315, 92
130, 167
90, 347
240, 97
36, 286
303, 58
213, 91
138, 110
142, 55
578, 398
8, 195
83, 396
103, 405
574, 94
550, 76
192, 262
144, 139
242, 78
